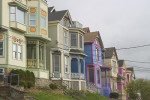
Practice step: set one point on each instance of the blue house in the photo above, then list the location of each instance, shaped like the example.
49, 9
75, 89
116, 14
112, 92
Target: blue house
93, 47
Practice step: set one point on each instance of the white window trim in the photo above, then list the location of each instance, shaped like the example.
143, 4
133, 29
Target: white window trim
17, 52
2, 48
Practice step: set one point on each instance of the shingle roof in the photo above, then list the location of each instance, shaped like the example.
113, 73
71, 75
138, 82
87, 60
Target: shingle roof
120, 63
57, 15
50, 9
90, 37
109, 52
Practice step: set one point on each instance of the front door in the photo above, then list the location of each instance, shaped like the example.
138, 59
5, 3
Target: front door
91, 75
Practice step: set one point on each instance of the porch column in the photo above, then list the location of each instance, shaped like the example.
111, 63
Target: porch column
109, 78
100, 77
106, 76
37, 53
44, 55
84, 68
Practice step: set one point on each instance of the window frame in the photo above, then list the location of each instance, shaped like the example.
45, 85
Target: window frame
2, 48
74, 39
15, 13
16, 52
43, 17
32, 19
81, 41
54, 63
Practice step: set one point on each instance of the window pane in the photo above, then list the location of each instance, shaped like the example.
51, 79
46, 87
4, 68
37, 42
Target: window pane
73, 39
14, 55
14, 47
20, 16
1, 52
1, 45
43, 22
19, 56
12, 9
19, 48
12, 17
80, 41
32, 19
32, 23
56, 63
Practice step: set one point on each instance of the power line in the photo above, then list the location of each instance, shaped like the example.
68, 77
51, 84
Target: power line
137, 61
134, 47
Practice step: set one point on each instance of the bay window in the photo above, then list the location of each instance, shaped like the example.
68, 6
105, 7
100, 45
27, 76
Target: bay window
17, 14
1, 48
66, 65
56, 63
43, 22
74, 39
32, 19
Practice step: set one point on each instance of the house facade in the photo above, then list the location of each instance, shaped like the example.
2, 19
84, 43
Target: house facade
23, 36
111, 59
93, 46
122, 79
77, 56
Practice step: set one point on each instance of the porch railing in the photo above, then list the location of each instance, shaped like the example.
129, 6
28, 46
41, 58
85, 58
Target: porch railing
77, 75
104, 84
31, 63
41, 63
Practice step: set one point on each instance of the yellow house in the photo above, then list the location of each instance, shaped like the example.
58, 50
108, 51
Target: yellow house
23, 36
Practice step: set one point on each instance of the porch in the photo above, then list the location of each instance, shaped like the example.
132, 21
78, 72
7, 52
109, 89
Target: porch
36, 54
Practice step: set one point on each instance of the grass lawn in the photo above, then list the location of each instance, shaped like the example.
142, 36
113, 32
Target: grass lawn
51, 96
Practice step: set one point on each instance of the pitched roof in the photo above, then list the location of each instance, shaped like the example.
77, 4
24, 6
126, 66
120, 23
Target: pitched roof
120, 63
91, 36
130, 69
51, 9
57, 15
109, 52
86, 29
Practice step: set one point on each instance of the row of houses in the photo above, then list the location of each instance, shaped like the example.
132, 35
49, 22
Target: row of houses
49, 43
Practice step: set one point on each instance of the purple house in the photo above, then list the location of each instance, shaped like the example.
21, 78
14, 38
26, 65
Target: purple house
93, 47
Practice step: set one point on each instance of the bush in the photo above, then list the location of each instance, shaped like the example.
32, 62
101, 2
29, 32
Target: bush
53, 86
114, 95
23, 83
26, 78
30, 84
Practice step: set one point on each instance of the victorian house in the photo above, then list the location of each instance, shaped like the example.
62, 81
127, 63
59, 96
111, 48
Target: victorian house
93, 47
23, 36
77, 56
111, 59
122, 79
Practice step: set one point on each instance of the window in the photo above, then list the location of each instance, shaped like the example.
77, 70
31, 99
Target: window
43, 22
56, 63
82, 66
98, 77
114, 66
80, 41
73, 39
17, 15
19, 52
66, 65
74, 65
65, 37
14, 51
97, 55
128, 77
32, 19
1, 48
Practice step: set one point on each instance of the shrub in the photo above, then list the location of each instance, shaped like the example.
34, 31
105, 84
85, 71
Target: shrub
114, 95
53, 86
23, 83
30, 84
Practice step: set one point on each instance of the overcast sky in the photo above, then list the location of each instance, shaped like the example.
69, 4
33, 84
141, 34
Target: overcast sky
122, 23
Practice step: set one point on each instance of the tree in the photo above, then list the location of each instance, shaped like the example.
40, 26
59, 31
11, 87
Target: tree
140, 85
